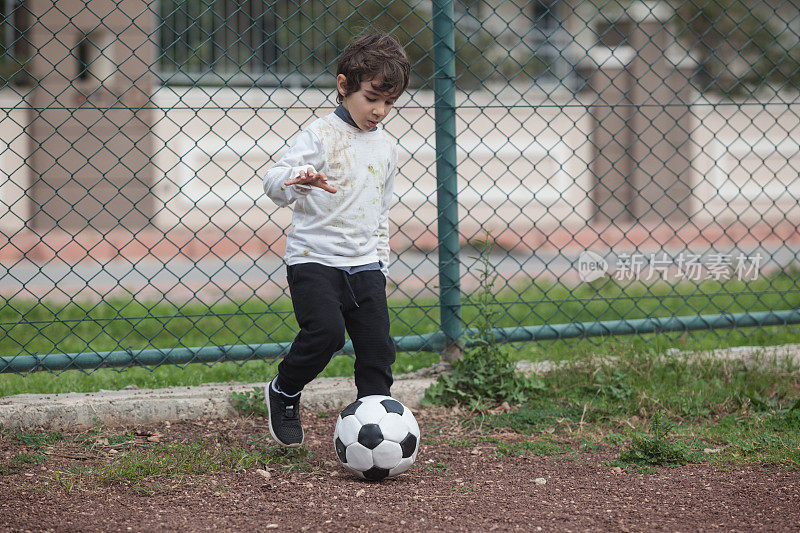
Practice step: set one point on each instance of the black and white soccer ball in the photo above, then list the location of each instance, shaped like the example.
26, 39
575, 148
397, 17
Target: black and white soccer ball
376, 437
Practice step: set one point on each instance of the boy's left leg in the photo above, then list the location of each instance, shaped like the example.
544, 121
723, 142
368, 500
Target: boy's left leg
368, 327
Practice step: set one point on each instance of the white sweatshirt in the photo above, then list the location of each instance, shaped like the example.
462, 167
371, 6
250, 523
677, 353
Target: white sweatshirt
349, 227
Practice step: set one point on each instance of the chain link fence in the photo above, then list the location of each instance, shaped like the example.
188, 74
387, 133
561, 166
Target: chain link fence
625, 168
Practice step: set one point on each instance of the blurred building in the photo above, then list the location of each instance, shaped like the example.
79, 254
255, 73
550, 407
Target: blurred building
165, 114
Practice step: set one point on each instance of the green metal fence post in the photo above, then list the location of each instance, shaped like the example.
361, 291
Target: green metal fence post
446, 188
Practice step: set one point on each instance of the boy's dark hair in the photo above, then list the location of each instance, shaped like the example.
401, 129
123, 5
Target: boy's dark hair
374, 56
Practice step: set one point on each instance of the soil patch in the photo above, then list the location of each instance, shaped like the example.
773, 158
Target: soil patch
458, 483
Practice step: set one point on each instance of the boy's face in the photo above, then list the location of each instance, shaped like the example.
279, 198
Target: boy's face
367, 105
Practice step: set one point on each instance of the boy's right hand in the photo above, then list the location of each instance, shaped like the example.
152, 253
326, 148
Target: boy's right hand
312, 179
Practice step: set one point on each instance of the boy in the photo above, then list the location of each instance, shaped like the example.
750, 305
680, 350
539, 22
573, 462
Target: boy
340, 175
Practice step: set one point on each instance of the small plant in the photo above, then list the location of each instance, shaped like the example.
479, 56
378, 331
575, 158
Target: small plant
438, 467
250, 402
66, 480
655, 448
486, 374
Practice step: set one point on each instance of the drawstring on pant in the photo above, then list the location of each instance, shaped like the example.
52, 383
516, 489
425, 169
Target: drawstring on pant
349, 287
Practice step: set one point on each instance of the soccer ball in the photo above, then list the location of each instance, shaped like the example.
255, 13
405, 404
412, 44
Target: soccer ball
376, 437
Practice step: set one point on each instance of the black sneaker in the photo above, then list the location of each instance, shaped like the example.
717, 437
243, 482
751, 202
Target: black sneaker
284, 418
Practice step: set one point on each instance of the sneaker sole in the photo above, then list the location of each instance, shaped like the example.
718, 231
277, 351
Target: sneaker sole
272, 431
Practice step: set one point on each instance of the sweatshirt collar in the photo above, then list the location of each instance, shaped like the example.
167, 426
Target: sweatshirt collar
344, 114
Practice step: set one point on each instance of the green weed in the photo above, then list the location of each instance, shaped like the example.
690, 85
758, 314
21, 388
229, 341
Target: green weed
250, 403
654, 448
437, 467
486, 374
612, 384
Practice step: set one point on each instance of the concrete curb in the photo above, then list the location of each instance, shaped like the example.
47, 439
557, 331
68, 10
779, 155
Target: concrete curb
129, 407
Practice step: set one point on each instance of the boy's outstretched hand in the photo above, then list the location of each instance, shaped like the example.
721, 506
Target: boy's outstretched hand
311, 179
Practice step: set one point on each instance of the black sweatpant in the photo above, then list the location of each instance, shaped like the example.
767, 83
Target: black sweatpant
327, 301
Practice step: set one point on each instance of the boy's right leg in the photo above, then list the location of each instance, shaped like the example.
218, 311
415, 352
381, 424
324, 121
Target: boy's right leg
316, 292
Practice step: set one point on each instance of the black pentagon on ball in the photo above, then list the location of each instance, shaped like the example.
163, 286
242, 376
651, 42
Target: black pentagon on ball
392, 406
341, 450
370, 435
375, 473
408, 445
350, 409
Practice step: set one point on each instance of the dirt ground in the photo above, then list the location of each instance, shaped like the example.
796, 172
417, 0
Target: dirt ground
450, 488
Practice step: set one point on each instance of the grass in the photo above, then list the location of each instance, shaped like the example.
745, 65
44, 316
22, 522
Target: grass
713, 411
535, 417
196, 458
171, 376
146, 468
667, 410
437, 467
19, 461
37, 440
768, 438
143, 465
118, 324
651, 411
637, 382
